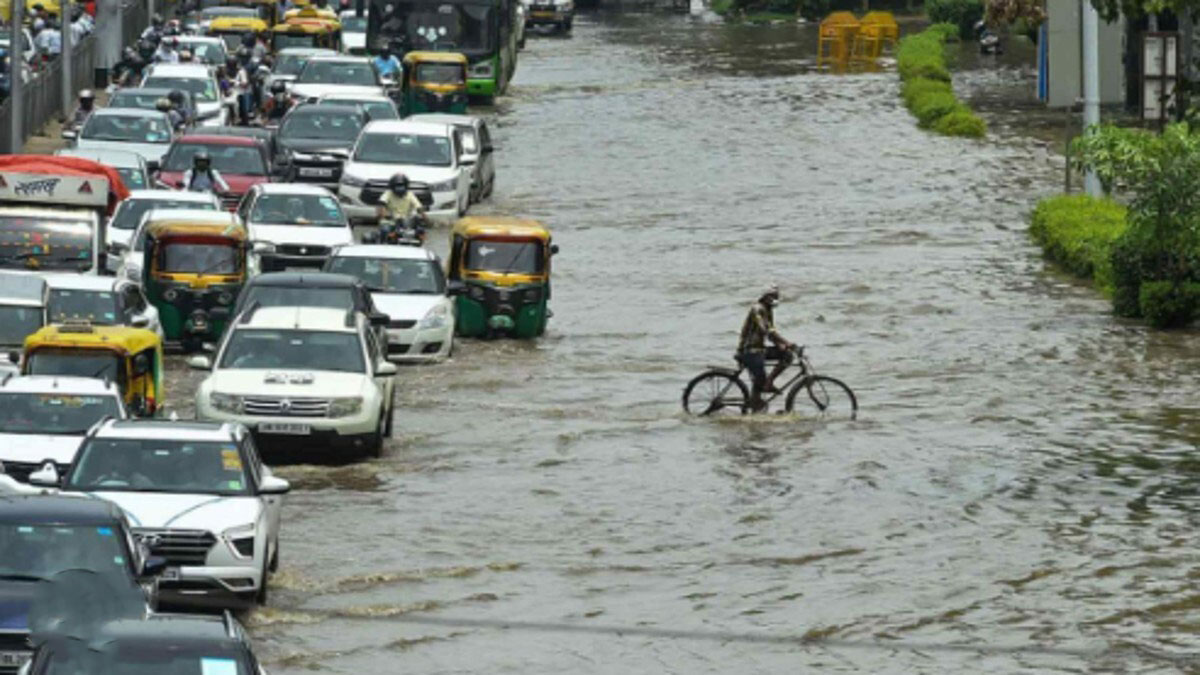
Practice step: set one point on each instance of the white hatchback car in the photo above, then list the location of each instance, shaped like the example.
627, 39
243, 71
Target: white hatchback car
146, 133
408, 285
100, 301
323, 75
197, 78
128, 215
307, 376
429, 154
293, 225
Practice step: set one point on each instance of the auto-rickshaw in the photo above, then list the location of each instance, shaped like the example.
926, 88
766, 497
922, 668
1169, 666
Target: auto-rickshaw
303, 30
130, 357
434, 82
268, 10
311, 12
193, 272
499, 268
231, 29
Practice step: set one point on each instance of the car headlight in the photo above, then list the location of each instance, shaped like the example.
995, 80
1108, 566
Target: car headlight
344, 407
225, 402
240, 540
447, 185
133, 272
436, 318
482, 69
353, 181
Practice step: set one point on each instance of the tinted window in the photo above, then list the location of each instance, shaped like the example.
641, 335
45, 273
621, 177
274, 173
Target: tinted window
130, 212
160, 465
293, 350
43, 551
133, 178
280, 209
97, 307
202, 88
404, 149
303, 296
18, 322
338, 72
127, 128
392, 276
53, 413
315, 123
227, 159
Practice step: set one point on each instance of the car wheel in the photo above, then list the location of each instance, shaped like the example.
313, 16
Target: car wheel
375, 449
491, 186
262, 587
275, 559
391, 410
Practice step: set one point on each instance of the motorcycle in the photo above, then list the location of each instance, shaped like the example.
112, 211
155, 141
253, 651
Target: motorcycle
406, 232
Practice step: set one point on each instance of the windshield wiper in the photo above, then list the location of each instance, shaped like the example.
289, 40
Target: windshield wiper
516, 256
16, 576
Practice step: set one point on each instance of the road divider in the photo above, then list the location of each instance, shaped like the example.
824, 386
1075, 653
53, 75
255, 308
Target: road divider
921, 61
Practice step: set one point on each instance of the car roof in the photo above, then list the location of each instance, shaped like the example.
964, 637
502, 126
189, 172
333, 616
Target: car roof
313, 279
23, 286
179, 70
384, 251
339, 58
445, 118
345, 109
49, 384
306, 51
153, 91
352, 96
56, 510
172, 631
301, 318
174, 195
128, 112
81, 282
293, 189
407, 127
206, 216
110, 156
217, 139
165, 430
208, 39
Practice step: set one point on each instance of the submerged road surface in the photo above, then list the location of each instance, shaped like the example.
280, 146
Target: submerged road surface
1018, 493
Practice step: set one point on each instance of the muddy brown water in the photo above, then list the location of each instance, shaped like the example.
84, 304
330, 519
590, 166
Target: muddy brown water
1018, 494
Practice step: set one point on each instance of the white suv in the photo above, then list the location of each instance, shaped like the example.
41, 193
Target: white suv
309, 376
196, 494
293, 225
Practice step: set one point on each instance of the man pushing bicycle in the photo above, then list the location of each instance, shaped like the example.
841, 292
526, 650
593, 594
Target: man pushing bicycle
753, 352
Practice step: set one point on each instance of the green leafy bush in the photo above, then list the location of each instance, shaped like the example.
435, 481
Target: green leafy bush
962, 13
917, 88
961, 122
933, 106
921, 60
1166, 304
1079, 232
922, 55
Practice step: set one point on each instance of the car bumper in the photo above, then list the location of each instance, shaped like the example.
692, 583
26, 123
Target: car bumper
547, 18
212, 587
416, 345
278, 262
353, 431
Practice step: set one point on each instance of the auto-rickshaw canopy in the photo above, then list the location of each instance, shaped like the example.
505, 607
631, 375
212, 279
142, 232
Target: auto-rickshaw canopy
414, 60
138, 353
122, 340
501, 229
219, 265
237, 24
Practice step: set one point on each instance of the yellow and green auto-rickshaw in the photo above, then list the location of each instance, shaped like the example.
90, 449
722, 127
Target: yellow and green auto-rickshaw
231, 29
309, 11
192, 272
499, 269
434, 82
307, 29
130, 357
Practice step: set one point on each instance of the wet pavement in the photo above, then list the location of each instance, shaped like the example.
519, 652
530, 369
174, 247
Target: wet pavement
1017, 495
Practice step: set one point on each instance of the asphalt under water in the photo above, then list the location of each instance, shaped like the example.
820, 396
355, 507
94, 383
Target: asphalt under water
1018, 493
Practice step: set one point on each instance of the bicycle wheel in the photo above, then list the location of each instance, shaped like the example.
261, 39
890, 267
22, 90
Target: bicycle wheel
824, 397
715, 393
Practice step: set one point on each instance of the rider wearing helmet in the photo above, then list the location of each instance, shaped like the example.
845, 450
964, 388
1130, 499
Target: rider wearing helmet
279, 104
399, 209
387, 64
202, 177
166, 51
180, 103
87, 104
753, 352
154, 31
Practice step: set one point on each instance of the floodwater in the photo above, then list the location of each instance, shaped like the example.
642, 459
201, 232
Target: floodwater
1018, 493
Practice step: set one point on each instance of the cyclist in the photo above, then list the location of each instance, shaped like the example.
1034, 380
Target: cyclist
753, 352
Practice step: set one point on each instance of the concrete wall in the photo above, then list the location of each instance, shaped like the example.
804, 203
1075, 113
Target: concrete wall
1064, 51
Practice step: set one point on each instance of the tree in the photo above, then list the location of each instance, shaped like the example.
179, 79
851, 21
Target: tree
1111, 9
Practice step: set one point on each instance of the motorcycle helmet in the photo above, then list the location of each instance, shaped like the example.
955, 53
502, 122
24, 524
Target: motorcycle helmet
163, 104
398, 184
176, 98
87, 98
201, 161
770, 295
278, 87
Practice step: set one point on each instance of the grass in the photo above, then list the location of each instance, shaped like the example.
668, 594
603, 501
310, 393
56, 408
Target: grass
921, 60
1078, 233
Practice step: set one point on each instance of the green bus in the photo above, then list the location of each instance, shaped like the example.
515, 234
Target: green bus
482, 30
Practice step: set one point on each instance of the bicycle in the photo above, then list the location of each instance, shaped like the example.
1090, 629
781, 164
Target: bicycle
721, 390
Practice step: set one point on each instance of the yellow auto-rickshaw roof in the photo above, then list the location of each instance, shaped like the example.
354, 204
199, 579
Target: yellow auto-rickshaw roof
311, 13
195, 228
236, 23
435, 57
117, 338
501, 226
307, 28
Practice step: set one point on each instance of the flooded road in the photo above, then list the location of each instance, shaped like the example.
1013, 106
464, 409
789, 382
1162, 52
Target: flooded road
1018, 493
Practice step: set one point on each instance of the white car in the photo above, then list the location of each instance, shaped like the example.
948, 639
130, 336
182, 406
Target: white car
305, 376
132, 254
323, 75
205, 49
377, 106
198, 78
23, 299
289, 61
147, 133
100, 301
407, 284
429, 154
44, 418
196, 494
128, 215
134, 169
354, 32
293, 225
478, 151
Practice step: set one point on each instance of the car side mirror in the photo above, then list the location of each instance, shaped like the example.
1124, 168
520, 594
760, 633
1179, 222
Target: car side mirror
272, 485
14, 357
70, 134
553, 249
46, 477
199, 362
454, 288
117, 248
153, 566
140, 322
379, 319
152, 166
385, 368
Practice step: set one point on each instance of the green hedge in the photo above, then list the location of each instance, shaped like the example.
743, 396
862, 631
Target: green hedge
963, 14
921, 60
1078, 232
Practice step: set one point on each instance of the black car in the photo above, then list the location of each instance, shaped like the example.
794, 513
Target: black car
310, 289
164, 644
66, 560
316, 140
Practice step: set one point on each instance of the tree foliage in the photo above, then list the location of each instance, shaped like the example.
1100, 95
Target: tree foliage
1111, 9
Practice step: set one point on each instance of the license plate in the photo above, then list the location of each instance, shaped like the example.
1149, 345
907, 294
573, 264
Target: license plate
543, 15
14, 659
316, 173
170, 574
285, 428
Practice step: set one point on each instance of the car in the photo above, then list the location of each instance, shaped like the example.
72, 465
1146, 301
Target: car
243, 163
129, 212
136, 172
354, 32
205, 49
301, 222
49, 538
290, 61
197, 494
100, 301
407, 284
377, 106
429, 154
268, 137
146, 98
312, 289
478, 151
557, 13
144, 132
211, 109
323, 75
316, 141
132, 255
23, 299
161, 643
302, 377
43, 418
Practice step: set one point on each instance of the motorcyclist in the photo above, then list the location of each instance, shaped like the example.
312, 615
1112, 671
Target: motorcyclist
154, 31
87, 104
166, 51
173, 27
258, 48
164, 105
129, 68
400, 210
279, 104
146, 48
244, 84
387, 64
180, 103
753, 352
202, 177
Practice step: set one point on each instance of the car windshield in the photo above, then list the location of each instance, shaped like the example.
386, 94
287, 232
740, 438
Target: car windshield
293, 350
287, 40
507, 257
45, 550
353, 24
127, 128
135, 98
97, 363
466, 28
159, 465
133, 178
392, 276
206, 52
377, 110
441, 73
202, 88
317, 123
290, 64
17, 322
56, 413
411, 149
44, 243
360, 74
130, 212
227, 159
97, 307
147, 655
198, 258
283, 209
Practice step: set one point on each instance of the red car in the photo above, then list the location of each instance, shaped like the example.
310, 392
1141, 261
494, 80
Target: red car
242, 162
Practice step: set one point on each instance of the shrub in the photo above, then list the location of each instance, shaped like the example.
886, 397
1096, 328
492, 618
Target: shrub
961, 122
1167, 304
920, 87
922, 55
934, 106
1079, 232
962, 13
